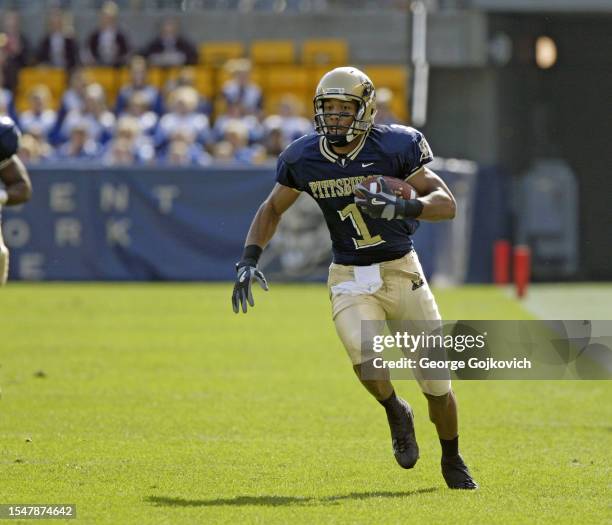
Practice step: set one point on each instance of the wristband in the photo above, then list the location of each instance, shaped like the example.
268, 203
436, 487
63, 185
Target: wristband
3, 196
250, 255
408, 209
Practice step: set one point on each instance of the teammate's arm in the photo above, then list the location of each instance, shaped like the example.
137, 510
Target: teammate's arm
261, 231
17, 185
437, 199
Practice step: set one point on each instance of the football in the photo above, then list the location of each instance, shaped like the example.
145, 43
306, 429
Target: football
397, 186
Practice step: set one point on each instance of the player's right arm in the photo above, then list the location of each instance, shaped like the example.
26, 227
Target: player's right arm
261, 231
16, 187
268, 215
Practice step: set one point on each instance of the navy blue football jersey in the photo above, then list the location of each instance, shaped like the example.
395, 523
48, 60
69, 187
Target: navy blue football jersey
309, 164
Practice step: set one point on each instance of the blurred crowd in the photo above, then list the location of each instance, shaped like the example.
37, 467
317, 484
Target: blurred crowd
172, 125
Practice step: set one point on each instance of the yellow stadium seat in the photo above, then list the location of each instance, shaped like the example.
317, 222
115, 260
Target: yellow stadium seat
53, 78
280, 81
273, 52
314, 76
393, 77
327, 51
107, 77
396, 79
217, 53
293, 79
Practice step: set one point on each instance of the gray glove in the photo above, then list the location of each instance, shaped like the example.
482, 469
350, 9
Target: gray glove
378, 205
246, 273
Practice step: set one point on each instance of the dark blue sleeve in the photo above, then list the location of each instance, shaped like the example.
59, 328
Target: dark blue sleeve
417, 152
9, 138
285, 175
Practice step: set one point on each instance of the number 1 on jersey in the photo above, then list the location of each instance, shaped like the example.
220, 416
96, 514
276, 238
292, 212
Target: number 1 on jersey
352, 212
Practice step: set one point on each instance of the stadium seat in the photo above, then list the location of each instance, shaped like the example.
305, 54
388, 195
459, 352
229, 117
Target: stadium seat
314, 76
286, 78
328, 51
396, 79
217, 53
268, 52
107, 77
281, 80
53, 78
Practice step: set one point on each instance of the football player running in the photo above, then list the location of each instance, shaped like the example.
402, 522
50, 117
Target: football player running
15, 186
375, 274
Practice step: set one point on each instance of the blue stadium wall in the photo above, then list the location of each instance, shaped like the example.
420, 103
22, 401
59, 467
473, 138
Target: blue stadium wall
150, 224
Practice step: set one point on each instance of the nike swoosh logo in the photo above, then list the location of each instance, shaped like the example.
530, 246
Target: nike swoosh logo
366, 164
376, 202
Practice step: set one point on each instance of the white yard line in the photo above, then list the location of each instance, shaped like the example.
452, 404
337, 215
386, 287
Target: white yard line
570, 301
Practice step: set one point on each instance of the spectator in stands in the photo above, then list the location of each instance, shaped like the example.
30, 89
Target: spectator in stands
34, 149
384, 113
235, 145
178, 154
73, 100
274, 140
240, 90
186, 77
7, 101
234, 112
138, 84
59, 47
184, 117
80, 145
107, 46
138, 108
293, 124
169, 48
74, 97
128, 133
100, 122
182, 151
120, 153
40, 116
14, 49
222, 152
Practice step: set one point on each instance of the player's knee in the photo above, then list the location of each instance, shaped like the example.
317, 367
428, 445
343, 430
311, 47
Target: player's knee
351, 340
433, 388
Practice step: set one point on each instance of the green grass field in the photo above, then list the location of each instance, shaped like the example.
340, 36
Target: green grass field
156, 404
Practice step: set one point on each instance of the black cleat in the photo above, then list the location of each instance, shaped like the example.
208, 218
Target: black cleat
401, 423
456, 473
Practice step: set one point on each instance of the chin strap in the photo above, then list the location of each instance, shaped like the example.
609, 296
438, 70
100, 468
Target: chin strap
337, 140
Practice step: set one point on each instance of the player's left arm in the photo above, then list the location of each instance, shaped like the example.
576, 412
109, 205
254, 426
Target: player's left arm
17, 186
435, 196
